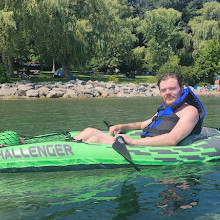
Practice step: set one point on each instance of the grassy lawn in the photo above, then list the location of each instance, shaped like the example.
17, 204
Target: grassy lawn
47, 76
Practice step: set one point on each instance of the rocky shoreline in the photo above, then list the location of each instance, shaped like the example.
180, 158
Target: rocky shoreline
81, 89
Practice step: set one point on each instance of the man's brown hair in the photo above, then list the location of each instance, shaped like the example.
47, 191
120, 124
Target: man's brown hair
171, 75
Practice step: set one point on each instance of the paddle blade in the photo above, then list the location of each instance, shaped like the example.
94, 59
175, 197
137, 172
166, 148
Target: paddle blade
120, 147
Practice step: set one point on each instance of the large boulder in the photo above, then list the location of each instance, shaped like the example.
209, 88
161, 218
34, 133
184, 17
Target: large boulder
70, 94
43, 91
88, 86
8, 92
101, 84
59, 89
55, 94
110, 85
32, 93
24, 88
80, 82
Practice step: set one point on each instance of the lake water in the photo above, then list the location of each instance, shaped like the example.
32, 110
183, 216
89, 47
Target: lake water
161, 192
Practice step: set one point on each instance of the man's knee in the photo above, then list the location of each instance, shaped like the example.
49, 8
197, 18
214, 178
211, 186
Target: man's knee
93, 139
90, 130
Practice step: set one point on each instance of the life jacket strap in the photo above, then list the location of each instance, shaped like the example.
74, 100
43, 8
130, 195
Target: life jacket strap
165, 118
156, 132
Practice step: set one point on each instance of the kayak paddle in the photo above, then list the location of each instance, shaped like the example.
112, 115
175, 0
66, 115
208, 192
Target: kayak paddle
120, 147
107, 124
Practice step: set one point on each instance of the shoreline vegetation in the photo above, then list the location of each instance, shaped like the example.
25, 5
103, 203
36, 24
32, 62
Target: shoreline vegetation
26, 89
150, 37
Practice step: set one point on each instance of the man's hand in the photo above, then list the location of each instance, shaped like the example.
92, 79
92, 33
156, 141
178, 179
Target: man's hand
115, 129
127, 139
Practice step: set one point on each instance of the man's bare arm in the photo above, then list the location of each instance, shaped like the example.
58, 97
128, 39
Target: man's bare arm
188, 118
129, 126
136, 125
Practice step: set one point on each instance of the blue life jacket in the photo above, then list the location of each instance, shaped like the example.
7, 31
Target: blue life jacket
166, 119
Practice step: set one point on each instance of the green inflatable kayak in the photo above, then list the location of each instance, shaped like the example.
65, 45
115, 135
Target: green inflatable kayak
55, 152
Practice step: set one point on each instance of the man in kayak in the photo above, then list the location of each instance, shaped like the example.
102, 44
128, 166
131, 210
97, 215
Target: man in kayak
180, 116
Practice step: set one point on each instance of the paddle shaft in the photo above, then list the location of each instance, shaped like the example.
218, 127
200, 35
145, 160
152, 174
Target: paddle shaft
46, 135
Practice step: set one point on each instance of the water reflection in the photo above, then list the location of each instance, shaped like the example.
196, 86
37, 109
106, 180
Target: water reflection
111, 194
178, 195
127, 200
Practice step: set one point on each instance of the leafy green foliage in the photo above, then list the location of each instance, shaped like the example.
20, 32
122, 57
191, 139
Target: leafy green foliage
207, 66
190, 78
187, 72
117, 37
172, 66
7, 36
59, 36
160, 36
3, 74
160, 29
139, 57
205, 27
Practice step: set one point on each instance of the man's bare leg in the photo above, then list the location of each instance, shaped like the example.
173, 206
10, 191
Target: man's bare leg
92, 135
101, 139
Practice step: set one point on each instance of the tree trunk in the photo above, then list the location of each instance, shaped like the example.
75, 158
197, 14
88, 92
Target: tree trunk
10, 67
65, 71
54, 67
9, 63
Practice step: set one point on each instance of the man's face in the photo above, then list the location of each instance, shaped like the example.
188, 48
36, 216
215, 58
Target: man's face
170, 91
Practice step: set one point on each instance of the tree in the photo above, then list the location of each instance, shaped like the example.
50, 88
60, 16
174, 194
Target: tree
57, 34
114, 30
3, 74
191, 10
207, 66
138, 57
188, 8
74, 32
7, 34
205, 27
160, 29
15, 38
172, 66
140, 6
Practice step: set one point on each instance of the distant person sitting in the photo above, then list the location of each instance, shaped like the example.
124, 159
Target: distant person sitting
117, 71
217, 82
206, 87
179, 116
